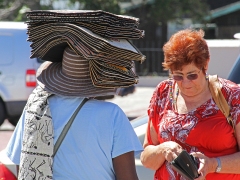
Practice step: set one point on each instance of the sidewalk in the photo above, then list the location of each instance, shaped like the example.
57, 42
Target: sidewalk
136, 104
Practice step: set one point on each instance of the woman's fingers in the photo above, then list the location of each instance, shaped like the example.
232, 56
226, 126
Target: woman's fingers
203, 165
170, 155
171, 150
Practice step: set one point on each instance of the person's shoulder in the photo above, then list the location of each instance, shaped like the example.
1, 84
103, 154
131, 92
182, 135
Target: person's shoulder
102, 104
228, 84
164, 85
229, 88
110, 109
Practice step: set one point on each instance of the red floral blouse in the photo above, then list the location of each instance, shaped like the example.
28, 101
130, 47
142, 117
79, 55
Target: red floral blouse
204, 129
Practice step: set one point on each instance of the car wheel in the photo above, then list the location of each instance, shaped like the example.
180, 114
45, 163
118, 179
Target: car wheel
3, 113
13, 120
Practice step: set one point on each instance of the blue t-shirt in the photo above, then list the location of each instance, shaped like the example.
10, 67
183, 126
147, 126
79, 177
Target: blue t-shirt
101, 131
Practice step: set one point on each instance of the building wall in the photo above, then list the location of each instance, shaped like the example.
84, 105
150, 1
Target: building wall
223, 54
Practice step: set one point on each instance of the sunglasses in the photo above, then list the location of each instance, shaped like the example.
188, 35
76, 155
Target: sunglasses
191, 77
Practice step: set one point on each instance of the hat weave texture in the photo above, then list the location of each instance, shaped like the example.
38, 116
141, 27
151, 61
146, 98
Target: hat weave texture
70, 77
87, 50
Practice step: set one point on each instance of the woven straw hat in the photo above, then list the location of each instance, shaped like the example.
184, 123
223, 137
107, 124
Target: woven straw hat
71, 77
87, 53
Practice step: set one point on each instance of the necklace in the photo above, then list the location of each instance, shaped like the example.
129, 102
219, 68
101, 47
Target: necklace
171, 91
174, 99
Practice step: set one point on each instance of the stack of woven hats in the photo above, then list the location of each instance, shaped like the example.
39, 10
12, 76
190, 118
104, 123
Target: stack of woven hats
100, 37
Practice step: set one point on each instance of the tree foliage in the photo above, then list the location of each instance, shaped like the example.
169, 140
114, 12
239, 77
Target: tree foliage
164, 11
105, 5
152, 13
159, 11
13, 10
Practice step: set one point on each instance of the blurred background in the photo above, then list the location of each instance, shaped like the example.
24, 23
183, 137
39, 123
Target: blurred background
159, 18
220, 19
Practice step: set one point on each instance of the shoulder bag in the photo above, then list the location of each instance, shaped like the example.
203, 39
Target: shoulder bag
215, 89
67, 126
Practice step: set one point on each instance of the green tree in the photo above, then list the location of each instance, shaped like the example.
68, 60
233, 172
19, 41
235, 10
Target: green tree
105, 5
13, 10
155, 13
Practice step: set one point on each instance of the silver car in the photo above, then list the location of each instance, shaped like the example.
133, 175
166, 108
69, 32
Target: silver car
140, 126
17, 70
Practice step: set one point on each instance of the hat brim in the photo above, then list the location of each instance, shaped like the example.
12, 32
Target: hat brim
51, 78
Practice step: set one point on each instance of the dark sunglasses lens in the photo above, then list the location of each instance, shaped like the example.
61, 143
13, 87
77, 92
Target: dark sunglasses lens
192, 76
177, 78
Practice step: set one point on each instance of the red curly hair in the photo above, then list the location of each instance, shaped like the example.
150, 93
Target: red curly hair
186, 47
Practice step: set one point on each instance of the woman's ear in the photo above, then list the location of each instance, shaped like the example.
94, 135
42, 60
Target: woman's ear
206, 65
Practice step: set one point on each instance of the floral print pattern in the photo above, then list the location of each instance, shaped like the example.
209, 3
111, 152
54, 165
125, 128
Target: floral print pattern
203, 129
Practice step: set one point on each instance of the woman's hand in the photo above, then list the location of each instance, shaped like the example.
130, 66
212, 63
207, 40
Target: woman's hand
206, 165
155, 154
171, 150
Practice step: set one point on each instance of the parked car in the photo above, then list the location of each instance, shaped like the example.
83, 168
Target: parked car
139, 125
234, 74
17, 70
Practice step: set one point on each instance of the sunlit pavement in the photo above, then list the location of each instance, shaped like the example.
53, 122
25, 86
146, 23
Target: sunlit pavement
136, 104
6, 126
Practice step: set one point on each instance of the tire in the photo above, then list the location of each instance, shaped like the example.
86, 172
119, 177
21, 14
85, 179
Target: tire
2, 113
13, 120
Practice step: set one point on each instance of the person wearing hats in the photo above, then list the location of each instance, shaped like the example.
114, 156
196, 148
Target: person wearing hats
100, 143
87, 54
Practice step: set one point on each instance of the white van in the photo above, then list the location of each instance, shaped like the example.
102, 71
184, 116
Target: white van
17, 70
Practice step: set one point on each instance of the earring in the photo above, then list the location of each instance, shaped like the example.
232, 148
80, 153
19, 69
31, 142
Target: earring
206, 76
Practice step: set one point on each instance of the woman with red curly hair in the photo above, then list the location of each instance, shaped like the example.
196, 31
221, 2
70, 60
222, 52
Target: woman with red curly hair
184, 116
